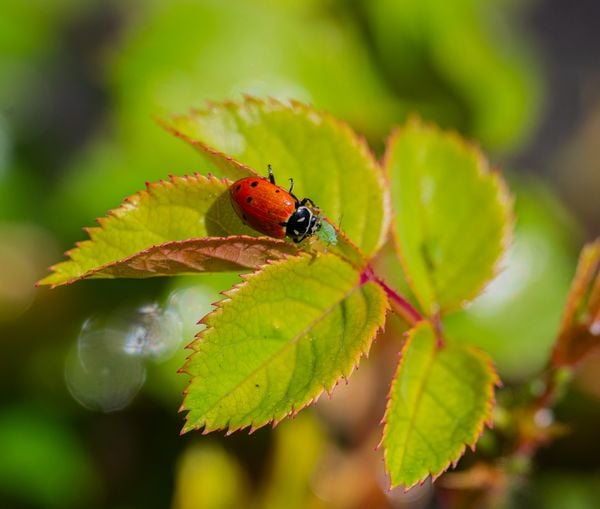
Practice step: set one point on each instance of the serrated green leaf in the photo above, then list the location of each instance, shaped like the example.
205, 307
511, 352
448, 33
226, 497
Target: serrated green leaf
209, 254
327, 160
452, 215
439, 401
282, 337
183, 208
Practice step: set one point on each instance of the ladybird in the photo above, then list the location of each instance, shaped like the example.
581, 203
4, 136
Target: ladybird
273, 211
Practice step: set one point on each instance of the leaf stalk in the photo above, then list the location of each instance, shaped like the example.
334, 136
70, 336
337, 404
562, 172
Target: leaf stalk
400, 304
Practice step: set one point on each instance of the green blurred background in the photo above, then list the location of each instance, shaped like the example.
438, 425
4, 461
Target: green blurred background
80, 84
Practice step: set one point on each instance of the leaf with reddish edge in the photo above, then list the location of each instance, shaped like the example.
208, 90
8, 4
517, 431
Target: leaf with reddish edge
441, 397
580, 326
452, 215
327, 160
182, 208
221, 161
211, 254
287, 333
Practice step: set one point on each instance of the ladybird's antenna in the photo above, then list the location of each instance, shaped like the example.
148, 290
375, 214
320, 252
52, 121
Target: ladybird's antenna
270, 172
291, 191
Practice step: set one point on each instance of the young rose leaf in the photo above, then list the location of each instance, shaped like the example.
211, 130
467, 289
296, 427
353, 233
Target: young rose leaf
286, 334
136, 240
580, 327
452, 215
327, 160
210, 254
439, 401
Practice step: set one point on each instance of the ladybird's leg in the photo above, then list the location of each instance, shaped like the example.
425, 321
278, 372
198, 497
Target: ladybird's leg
271, 176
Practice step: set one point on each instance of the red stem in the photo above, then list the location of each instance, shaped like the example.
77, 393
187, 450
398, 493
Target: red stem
400, 305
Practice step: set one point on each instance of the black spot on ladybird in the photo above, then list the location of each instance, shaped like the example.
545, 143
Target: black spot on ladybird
254, 184
276, 190
244, 217
238, 187
249, 199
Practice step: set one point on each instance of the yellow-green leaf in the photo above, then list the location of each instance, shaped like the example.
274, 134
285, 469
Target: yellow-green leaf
452, 215
281, 338
327, 160
208, 254
182, 208
440, 399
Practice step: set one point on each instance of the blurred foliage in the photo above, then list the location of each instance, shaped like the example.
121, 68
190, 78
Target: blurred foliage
209, 478
576, 167
22, 48
463, 62
42, 461
176, 55
289, 483
558, 490
24, 249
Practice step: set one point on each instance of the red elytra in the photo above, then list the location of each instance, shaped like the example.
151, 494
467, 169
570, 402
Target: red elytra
272, 210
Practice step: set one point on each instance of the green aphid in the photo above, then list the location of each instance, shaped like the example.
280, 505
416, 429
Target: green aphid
327, 233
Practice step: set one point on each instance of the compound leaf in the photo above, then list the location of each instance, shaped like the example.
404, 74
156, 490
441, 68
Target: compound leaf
327, 160
452, 215
439, 401
282, 337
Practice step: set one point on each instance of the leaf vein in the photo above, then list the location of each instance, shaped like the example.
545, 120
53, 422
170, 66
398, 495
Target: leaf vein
286, 346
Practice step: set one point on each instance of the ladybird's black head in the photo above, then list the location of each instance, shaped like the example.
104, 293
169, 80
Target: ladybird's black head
303, 223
